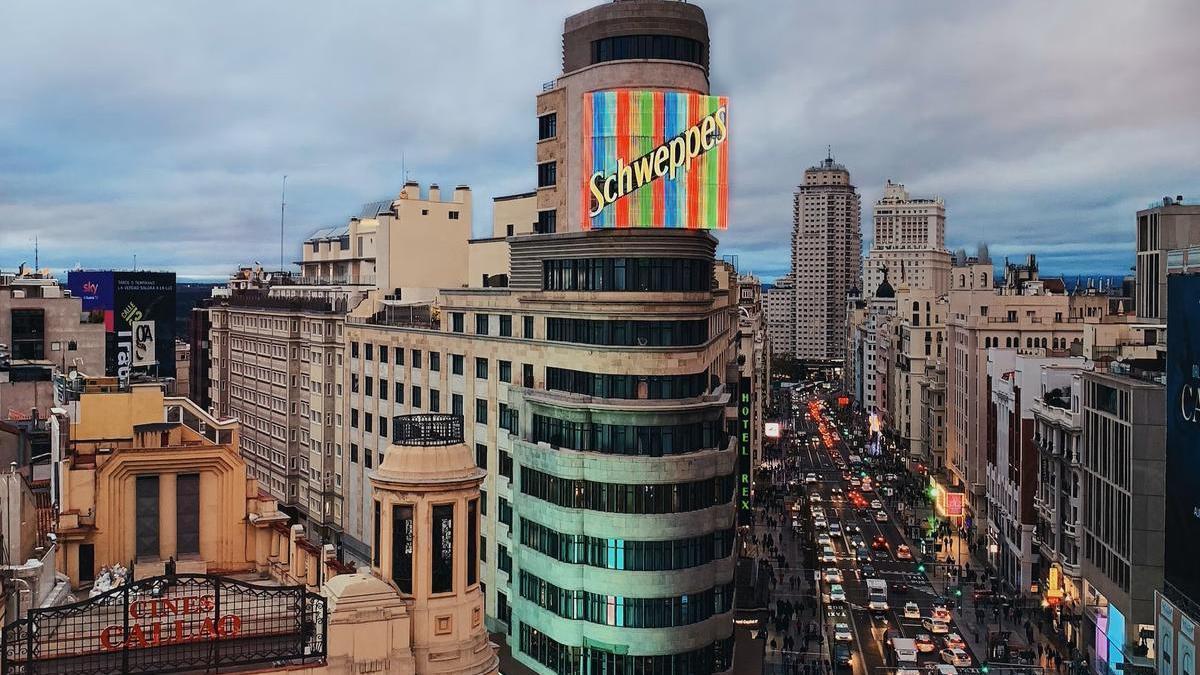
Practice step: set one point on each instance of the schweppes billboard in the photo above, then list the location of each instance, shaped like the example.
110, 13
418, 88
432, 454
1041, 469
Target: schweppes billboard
655, 159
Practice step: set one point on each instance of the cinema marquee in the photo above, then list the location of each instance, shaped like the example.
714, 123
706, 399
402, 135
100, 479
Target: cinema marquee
168, 625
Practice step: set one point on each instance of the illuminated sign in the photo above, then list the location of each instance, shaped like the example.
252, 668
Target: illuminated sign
954, 503
771, 429
143, 343
743, 442
655, 159
1182, 522
843, 401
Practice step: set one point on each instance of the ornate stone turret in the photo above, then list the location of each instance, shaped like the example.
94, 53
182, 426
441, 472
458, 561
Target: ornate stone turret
426, 533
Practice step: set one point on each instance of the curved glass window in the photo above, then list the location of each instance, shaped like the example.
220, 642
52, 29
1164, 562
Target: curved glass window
625, 554
626, 386
669, 47
626, 439
627, 274
627, 498
569, 660
624, 612
625, 333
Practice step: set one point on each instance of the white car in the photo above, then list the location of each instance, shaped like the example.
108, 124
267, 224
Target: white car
841, 633
956, 657
945, 669
881, 516
828, 556
824, 540
833, 575
911, 611
837, 593
835, 529
876, 504
907, 671
810, 478
935, 626
820, 523
814, 498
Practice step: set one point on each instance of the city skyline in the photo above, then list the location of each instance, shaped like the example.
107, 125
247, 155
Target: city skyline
1039, 138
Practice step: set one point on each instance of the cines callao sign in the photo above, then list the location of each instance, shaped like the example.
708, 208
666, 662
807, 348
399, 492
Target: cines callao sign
655, 159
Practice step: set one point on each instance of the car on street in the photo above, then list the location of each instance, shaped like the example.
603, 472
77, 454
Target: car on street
819, 522
945, 669
981, 594
854, 482
881, 516
940, 611
835, 493
879, 543
845, 473
866, 486
911, 611
907, 671
869, 571
900, 588
815, 498
842, 655
833, 575
795, 522
891, 477
841, 633
863, 511
876, 504
852, 528
810, 478
891, 634
837, 593
935, 626
925, 643
855, 459
824, 540
861, 554
903, 552
956, 657
835, 529
828, 556
953, 641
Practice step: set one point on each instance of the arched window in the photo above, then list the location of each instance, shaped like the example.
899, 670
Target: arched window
1028, 343
1043, 343
962, 280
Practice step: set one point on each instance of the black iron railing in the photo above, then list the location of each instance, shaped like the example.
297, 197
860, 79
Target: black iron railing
427, 429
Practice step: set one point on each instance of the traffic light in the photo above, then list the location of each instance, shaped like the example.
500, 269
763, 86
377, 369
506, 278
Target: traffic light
932, 492
983, 667
921, 568
958, 592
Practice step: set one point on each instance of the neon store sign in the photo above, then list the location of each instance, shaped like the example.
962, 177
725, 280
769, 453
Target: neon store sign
156, 623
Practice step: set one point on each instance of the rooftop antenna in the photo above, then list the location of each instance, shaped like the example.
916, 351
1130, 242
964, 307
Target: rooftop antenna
829, 152
282, 206
36, 266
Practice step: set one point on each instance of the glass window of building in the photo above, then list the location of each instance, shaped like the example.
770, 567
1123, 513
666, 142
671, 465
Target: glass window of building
547, 174
481, 411
456, 364
416, 358
383, 353
481, 454
456, 404
527, 331
146, 523
472, 541
435, 400
435, 361
416, 397
547, 126
402, 547
456, 322
481, 324
481, 368
354, 350
547, 222
370, 351
187, 513
506, 325
399, 356
442, 549
505, 371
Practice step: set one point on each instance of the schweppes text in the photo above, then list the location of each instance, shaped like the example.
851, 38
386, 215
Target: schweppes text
665, 160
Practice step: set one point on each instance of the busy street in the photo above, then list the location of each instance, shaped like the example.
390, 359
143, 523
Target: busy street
868, 578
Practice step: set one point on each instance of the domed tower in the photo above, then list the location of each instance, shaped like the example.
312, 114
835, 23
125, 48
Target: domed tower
426, 526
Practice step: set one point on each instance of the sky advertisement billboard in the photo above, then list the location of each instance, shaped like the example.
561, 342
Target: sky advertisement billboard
655, 159
1183, 435
129, 301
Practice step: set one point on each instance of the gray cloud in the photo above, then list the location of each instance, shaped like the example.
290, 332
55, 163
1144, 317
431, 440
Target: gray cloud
164, 128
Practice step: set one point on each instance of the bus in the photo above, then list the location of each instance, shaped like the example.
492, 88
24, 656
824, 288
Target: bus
877, 595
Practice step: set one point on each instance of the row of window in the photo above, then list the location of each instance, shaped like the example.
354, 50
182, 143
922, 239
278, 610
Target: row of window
627, 274
627, 333
576, 493
627, 439
593, 660
623, 612
624, 554
626, 386
483, 323
668, 47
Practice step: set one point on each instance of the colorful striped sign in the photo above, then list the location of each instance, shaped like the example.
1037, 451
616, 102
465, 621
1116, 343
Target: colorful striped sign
655, 159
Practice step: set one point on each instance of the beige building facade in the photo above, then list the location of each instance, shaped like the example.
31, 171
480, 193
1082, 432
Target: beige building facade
909, 241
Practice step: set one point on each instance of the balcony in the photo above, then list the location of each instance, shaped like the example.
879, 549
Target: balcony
403, 316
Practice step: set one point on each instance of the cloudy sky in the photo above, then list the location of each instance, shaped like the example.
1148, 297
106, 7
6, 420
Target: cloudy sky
162, 129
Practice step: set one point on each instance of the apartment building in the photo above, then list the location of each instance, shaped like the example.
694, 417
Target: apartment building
1023, 312
826, 259
605, 434
276, 341
909, 242
1161, 228
1017, 378
781, 315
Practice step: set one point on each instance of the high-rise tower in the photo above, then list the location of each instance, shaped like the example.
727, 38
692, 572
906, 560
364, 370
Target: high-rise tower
826, 259
909, 242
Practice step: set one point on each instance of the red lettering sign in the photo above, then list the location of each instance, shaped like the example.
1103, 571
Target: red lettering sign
174, 631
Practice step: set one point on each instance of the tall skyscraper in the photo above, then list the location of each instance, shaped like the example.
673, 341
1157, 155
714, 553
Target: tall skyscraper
910, 241
826, 259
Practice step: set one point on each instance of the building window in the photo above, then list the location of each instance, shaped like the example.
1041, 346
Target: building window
28, 334
456, 404
627, 274
146, 525
416, 397
375, 543
435, 361
383, 353
627, 497
472, 541
506, 465
402, 548
399, 388
442, 549
527, 327
456, 322
481, 368
527, 375
628, 333
481, 454
481, 411
354, 453
416, 358
354, 350
547, 222
509, 419
456, 364
187, 514
481, 324
370, 351
399, 356
368, 422
547, 174
435, 401
506, 371
453, 215
369, 386
353, 418
547, 126
666, 47
506, 325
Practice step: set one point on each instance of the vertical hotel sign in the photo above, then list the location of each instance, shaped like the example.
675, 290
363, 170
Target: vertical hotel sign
655, 159
743, 448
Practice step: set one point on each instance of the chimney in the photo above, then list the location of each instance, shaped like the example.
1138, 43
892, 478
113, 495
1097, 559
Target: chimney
435, 193
462, 194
